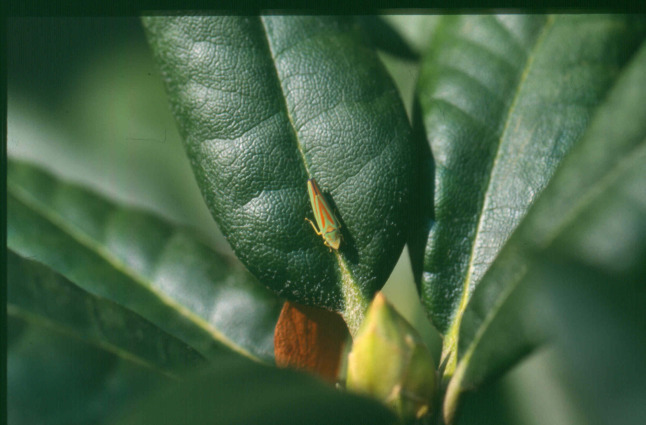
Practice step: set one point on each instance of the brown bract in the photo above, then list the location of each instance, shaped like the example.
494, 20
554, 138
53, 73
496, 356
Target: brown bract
310, 338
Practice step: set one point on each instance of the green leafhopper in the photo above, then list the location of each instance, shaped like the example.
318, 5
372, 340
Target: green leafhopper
328, 225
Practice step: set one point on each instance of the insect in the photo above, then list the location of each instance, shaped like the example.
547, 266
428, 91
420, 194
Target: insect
328, 225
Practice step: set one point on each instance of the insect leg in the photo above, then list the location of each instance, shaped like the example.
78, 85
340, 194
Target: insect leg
314, 227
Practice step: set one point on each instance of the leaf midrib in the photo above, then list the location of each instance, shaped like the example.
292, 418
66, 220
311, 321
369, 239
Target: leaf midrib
349, 282
282, 96
453, 332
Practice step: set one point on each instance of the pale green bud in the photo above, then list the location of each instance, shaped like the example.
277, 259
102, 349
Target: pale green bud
390, 362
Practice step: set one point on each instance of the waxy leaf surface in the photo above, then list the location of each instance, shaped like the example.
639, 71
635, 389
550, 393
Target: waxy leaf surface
263, 104
503, 100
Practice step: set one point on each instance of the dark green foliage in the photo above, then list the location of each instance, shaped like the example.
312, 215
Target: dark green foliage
264, 104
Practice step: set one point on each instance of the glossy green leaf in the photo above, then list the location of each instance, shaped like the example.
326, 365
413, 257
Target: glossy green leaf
134, 259
236, 391
504, 99
263, 104
593, 211
53, 379
36, 294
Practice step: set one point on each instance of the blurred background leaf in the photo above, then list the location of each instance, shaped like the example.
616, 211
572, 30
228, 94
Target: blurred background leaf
416, 30
85, 101
54, 379
36, 294
602, 336
386, 38
135, 259
237, 391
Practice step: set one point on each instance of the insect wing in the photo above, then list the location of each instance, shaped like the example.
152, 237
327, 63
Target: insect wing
322, 213
314, 192
326, 220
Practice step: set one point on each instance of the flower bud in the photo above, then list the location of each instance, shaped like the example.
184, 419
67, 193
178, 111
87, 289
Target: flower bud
390, 362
